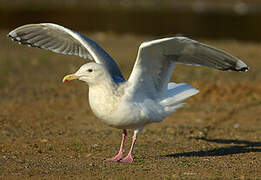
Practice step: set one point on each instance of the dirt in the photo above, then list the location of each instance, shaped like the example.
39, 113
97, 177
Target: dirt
47, 130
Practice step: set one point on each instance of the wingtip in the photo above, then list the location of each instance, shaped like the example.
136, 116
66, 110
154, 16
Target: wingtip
243, 69
9, 36
241, 66
12, 34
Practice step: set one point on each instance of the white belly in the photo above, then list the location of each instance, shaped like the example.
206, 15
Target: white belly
117, 112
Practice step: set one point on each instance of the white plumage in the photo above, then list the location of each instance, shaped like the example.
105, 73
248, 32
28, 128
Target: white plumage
147, 96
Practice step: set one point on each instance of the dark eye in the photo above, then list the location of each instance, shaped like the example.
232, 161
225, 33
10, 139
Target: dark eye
89, 70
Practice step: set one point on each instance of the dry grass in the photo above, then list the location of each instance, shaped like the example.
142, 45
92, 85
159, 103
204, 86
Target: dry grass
48, 131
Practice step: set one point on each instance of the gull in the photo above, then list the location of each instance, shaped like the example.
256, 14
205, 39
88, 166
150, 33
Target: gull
147, 96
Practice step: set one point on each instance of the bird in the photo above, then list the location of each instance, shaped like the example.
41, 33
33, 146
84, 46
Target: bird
147, 96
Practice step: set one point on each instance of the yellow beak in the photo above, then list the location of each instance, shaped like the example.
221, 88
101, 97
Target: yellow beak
70, 77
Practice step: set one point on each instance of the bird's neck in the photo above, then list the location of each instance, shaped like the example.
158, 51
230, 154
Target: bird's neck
105, 84
103, 98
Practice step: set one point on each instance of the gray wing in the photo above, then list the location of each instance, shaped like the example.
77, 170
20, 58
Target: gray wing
62, 40
156, 60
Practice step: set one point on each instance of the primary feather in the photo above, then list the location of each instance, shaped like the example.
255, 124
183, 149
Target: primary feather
62, 40
156, 60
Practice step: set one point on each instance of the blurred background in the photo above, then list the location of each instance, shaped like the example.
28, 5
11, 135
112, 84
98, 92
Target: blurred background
233, 19
47, 129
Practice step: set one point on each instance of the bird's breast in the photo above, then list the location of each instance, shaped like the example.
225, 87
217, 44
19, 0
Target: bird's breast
102, 102
118, 112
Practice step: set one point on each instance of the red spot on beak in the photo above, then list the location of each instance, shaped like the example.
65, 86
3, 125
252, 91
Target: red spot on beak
66, 80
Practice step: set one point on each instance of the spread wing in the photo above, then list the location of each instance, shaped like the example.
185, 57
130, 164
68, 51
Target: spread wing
156, 60
62, 40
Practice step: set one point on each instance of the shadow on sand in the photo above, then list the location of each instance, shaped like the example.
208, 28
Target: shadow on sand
239, 146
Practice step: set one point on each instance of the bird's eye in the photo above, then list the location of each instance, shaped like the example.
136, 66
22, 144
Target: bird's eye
89, 70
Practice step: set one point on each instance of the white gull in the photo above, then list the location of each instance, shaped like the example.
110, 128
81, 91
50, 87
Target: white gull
147, 96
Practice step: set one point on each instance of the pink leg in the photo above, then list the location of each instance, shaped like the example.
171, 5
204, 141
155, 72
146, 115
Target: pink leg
120, 154
129, 158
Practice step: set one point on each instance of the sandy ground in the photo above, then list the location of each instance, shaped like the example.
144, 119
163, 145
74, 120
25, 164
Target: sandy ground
47, 130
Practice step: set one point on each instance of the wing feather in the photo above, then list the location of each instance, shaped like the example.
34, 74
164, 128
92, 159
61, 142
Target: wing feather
156, 59
62, 40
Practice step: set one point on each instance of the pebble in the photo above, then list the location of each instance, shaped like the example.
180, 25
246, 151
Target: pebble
236, 126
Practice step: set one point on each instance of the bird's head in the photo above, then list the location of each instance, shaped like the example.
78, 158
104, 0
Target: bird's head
90, 73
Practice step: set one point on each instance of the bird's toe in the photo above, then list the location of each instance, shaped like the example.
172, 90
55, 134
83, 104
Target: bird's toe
127, 159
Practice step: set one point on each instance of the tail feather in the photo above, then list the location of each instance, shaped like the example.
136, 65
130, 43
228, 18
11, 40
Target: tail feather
175, 94
172, 109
